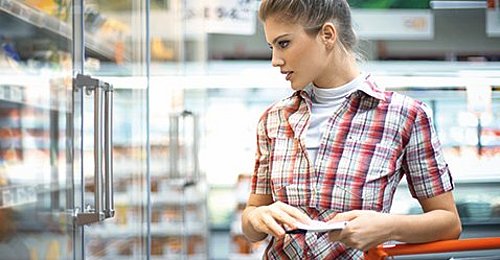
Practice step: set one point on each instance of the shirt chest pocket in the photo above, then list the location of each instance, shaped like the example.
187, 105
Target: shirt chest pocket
288, 168
364, 161
362, 175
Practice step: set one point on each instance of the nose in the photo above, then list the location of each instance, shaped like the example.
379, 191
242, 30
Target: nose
276, 61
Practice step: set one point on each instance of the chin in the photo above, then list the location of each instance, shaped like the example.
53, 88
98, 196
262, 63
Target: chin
297, 86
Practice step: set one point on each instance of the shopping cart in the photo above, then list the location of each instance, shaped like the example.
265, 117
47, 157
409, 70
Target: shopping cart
383, 252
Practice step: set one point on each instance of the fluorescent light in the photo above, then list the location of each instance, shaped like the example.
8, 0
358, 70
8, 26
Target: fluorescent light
458, 4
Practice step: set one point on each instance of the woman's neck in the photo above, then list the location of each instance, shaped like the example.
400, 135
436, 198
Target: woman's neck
342, 69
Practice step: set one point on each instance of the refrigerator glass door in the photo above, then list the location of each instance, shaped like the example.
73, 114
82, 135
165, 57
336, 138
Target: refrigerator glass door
36, 148
115, 37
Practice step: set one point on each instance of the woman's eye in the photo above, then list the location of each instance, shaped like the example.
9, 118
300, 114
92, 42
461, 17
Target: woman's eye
283, 44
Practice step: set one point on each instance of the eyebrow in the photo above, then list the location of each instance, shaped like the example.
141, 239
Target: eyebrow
277, 39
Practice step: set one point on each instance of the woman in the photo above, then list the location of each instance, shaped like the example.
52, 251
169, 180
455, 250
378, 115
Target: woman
338, 147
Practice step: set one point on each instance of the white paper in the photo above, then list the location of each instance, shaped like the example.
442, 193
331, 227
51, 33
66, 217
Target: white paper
320, 226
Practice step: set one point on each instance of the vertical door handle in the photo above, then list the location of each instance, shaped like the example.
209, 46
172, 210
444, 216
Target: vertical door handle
109, 204
103, 151
182, 126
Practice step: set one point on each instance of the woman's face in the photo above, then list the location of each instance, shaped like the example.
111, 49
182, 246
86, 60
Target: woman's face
300, 57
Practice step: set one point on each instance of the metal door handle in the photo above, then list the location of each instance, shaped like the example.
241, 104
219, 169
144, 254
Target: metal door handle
184, 126
109, 204
103, 117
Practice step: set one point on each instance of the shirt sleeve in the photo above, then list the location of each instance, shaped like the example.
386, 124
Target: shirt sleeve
261, 176
427, 171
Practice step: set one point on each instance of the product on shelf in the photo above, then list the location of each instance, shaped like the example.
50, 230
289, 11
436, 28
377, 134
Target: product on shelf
179, 221
495, 211
8, 48
56, 8
159, 51
240, 245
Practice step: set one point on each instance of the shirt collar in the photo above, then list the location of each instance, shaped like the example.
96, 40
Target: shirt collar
371, 88
368, 87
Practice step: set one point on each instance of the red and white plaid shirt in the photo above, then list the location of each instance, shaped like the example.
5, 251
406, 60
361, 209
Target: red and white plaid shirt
374, 139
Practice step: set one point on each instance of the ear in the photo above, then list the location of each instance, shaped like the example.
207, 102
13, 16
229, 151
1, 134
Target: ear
328, 34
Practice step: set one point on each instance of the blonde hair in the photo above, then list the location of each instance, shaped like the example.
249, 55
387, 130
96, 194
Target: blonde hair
312, 14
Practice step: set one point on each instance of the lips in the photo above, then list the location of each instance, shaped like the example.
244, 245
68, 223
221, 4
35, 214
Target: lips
288, 74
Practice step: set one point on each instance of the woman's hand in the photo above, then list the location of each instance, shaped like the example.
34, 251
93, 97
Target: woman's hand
272, 219
366, 229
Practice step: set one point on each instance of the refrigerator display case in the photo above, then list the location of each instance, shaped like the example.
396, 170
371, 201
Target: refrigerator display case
33, 186
35, 191
59, 61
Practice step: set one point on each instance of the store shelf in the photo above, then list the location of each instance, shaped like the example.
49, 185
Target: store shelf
157, 168
44, 21
157, 230
179, 217
34, 90
178, 256
11, 93
34, 17
14, 196
158, 257
160, 198
254, 256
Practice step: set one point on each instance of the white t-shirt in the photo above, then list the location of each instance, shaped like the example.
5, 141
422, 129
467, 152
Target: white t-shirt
324, 103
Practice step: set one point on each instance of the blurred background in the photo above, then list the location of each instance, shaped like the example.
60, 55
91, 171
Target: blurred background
187, 81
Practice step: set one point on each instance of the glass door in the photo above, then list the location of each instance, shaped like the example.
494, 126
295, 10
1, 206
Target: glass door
36, 181
115, 40
65, 68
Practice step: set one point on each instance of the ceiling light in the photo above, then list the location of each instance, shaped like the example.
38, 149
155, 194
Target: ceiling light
458, 4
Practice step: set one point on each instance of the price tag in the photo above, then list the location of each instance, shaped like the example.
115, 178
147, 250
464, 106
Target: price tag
493, 22
7, 198
225, 16
479, 98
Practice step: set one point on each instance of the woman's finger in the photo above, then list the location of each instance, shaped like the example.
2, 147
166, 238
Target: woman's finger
295, 213
273, 227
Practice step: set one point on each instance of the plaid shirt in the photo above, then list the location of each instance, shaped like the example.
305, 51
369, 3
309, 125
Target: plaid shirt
374, 139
